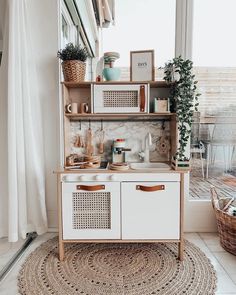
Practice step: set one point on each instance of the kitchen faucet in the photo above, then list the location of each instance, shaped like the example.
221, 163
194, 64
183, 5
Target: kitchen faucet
144, 155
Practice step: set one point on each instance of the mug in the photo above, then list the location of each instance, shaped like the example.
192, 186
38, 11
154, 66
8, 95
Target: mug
84, 108
72, 108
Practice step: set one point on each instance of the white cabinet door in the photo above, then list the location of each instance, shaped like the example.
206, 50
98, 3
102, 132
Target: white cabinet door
150, 210
91, 210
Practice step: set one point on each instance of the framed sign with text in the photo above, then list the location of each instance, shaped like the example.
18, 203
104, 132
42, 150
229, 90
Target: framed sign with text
142, 65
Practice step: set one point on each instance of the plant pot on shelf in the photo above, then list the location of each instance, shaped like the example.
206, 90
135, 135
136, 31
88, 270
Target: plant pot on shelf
180, 164
74, 70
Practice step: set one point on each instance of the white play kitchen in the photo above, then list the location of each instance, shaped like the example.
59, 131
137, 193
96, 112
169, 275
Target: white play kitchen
117, 183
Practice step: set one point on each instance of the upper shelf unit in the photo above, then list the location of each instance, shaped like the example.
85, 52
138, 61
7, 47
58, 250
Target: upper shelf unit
114, 101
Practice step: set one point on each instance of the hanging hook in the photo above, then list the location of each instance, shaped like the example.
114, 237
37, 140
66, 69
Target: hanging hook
163, 125
89, 124
101, 124
80, 125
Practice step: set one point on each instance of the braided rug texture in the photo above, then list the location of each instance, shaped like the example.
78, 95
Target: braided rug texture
99, 269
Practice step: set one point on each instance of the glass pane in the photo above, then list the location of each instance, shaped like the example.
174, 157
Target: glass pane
214, 28
64, 32
214, 131
142, 25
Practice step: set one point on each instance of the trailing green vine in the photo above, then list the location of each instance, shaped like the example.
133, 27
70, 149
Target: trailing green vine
183, 98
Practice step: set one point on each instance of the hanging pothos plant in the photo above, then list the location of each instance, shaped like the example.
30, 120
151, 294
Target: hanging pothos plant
183, 98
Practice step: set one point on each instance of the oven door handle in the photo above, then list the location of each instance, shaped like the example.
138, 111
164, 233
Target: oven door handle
142, 98
90, 188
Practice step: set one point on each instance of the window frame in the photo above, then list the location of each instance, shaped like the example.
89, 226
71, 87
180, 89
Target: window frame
184, 28
72, 30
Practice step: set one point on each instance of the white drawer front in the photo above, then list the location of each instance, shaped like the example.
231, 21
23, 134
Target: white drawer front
90, 214
119, 98
150, 214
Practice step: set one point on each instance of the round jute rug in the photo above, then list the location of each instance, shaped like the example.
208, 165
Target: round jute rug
99, 269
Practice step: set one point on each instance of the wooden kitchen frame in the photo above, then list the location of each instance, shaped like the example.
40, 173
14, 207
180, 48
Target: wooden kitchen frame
83, 93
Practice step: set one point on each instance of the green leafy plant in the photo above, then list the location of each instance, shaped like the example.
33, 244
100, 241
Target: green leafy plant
183, 98
73, 52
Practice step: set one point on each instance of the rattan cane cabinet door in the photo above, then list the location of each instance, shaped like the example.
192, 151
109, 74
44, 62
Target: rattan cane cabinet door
91, 213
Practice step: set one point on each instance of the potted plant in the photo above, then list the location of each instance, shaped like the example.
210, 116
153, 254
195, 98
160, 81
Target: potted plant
184, 101
74, 62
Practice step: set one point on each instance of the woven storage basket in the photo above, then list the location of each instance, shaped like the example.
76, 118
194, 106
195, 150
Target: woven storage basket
73, 70
226, 225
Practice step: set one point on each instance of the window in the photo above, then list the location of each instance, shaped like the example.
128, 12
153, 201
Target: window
72, 31
141, 25
65, 32
69, 31
213, 54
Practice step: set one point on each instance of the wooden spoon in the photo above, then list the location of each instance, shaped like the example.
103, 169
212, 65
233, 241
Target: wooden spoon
89, 147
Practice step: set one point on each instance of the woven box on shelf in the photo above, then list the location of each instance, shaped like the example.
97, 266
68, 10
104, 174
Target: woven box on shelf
74, 70
226, 224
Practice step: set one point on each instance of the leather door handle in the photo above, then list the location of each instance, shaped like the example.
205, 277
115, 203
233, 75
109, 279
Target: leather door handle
150, 188
90, 188
142, 98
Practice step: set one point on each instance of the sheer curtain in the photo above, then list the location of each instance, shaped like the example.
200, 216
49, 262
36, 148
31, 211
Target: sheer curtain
22, 169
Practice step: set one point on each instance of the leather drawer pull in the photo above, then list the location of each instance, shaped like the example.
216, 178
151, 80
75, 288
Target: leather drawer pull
142, 98
150, 188
90, 188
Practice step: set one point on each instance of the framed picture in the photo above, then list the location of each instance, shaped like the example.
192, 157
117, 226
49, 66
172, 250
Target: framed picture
142, 65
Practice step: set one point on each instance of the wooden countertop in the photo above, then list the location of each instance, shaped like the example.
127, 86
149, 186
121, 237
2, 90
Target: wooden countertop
109, 171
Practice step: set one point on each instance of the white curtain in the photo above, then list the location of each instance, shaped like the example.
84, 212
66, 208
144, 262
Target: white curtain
22, 167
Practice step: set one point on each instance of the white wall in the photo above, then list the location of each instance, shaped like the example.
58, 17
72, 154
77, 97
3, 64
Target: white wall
44, 21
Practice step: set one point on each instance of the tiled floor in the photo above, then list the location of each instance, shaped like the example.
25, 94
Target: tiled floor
9, 285
224, 263
7, 250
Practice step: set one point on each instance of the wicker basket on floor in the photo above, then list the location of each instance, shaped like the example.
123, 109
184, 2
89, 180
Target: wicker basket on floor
226, 224
74, 70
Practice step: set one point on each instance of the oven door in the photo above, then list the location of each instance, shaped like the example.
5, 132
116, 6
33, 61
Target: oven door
91, 210
150, 210
121, 98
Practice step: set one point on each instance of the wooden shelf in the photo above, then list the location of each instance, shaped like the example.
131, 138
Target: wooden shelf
77, 84
120, 117
159, 84
87, 84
